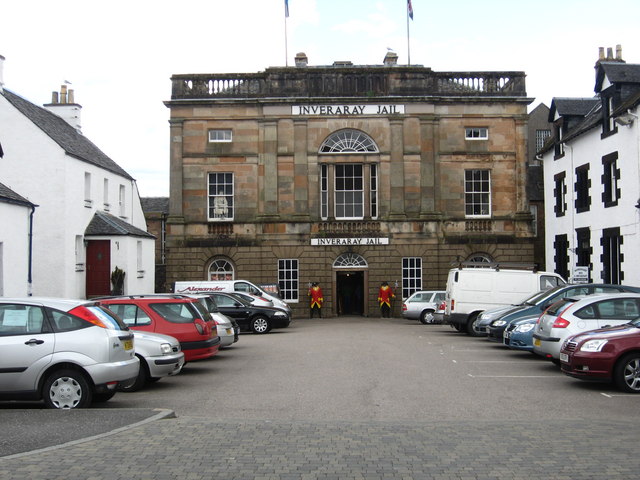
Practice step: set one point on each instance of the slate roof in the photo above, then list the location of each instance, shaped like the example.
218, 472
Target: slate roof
155, 204
571, 106
617, 72
70, 140
9, 196
103, 223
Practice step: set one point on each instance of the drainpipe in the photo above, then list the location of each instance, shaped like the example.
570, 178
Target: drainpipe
30, 268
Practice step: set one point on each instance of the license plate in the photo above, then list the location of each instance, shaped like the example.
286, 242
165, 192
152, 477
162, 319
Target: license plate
128, 344
564, 358
536, 342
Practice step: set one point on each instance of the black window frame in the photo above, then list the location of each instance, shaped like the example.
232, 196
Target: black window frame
560, 194
610, 177
581, 187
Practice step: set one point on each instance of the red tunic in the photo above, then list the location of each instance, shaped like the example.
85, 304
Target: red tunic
316, 297
385, 295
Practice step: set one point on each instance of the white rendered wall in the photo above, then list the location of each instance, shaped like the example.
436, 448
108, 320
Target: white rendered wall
36, 167
14, 250
590, 148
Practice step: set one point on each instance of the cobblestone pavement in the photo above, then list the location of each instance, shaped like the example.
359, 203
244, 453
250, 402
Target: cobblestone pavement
276, 450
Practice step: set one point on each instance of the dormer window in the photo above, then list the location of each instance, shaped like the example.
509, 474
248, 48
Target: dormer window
609, 127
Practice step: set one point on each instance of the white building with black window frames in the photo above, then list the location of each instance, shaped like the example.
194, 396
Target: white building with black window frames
348, 176
592, 178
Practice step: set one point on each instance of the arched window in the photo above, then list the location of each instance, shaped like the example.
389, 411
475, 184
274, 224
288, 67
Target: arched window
350, 260
221, 270
480, 258
348, 141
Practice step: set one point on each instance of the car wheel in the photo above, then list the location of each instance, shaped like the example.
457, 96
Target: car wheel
103, 397
471, 326
260, 324
66, 389
426, 317
141, 379
626, 373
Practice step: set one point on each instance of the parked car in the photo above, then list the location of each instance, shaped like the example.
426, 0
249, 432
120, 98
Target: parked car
539, 302
251, 318
227, 329
519, 334
426, 306
607, 354
159, 355
65, 352
574, 315
175, 315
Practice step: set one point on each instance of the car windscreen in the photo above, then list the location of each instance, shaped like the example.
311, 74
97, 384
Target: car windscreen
559, 306
202, 311
175, 312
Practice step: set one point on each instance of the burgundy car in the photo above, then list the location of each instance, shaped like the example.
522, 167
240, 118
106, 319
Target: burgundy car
607, 354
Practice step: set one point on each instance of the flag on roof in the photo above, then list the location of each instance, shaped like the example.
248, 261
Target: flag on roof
409, 9
286, 8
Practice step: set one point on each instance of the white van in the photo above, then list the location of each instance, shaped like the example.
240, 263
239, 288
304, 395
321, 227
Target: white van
471, 290
204, 286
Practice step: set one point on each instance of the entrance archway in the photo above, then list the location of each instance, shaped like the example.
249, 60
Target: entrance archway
350, 284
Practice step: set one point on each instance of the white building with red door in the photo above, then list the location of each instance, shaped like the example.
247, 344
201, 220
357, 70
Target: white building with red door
88, 219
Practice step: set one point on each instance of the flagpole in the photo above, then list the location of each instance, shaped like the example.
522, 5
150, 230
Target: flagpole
286, 41
408, 43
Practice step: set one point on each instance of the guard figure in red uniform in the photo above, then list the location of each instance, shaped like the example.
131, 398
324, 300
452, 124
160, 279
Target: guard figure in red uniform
384, 298
315, 293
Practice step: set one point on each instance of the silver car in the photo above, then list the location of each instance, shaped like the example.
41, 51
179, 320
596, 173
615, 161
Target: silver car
226, 330
160, 356
573, 315
426, 306
65, 352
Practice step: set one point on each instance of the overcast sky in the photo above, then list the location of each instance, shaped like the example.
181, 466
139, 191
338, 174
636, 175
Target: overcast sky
119, 55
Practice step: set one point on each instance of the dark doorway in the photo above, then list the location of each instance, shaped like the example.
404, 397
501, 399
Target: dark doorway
350, 293
98, 268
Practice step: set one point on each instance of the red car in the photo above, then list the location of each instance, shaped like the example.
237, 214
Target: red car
609, 354
180, 317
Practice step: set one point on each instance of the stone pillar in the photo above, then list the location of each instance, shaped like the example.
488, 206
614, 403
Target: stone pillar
175, 172
268, 164
396, 170
301, 170
427, 167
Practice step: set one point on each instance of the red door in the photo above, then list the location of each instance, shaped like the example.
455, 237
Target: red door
98, 268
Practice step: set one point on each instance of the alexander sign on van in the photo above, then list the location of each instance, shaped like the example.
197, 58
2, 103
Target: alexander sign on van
349, 241
351, 110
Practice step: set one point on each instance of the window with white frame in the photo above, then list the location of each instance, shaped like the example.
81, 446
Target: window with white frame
80, 253
221, 194
105, 195
477, 193
122, 201
220, 136
476, 133
560, 194
349, 191
373, 190
348, 141
288, 279
221, 269
541, 138
610, 177
411, 276
87, 189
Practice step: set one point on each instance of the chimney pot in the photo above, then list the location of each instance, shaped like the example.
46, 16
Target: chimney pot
609, 53
601, 53
619, 52
54, 97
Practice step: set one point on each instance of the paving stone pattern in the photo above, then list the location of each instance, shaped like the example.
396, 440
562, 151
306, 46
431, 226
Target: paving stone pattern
194, 448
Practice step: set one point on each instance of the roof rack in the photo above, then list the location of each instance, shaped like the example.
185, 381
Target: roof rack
496, 265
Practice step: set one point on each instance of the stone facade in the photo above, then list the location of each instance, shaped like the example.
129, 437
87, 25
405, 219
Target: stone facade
287, 180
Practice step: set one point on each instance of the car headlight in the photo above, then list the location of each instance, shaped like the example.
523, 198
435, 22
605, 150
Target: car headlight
593, 345
527, 327
279, 314
499, 323
486, 316
165, 348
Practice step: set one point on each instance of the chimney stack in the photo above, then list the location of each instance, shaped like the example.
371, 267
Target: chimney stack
391, 59
63, 105
301, 59
610, 57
